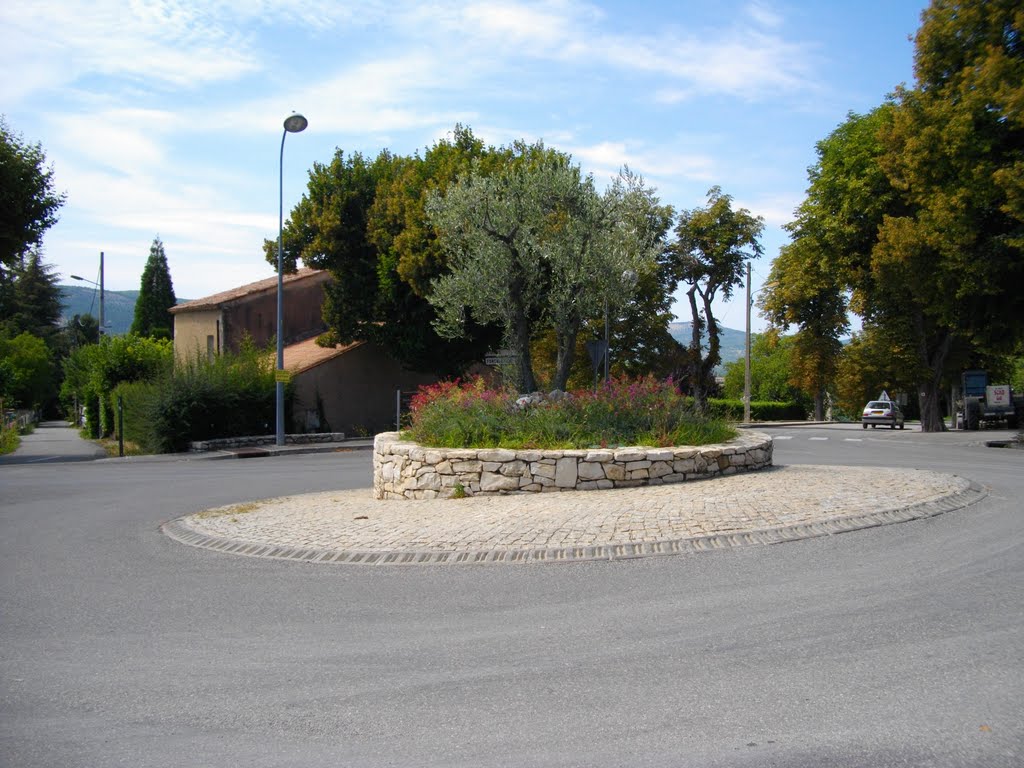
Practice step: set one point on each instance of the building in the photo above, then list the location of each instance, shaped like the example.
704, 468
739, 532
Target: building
349, 388
222, 321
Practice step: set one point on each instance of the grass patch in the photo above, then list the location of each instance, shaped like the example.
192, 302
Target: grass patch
110, 445
643, 412
234, 509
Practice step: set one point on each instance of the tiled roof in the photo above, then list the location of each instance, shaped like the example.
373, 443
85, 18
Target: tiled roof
261, 286
307, 354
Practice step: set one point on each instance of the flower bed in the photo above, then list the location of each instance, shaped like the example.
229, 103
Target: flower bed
622, 411
404, 470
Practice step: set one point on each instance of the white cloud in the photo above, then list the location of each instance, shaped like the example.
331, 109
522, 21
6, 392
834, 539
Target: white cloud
159, 43
657, 164
763, 14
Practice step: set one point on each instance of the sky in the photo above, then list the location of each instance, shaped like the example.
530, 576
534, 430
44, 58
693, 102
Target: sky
164, 117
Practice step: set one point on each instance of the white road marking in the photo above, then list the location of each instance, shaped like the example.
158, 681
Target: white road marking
817, 438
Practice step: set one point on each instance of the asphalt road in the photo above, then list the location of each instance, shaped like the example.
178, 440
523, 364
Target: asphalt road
895, 646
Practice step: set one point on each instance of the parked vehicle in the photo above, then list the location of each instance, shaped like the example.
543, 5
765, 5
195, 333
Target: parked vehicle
986, 403
884, 412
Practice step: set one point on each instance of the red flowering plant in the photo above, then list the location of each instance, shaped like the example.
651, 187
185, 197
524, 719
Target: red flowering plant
644, 411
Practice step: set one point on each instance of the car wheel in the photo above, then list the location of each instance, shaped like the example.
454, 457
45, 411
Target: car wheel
893, 425
901, 425
864, 425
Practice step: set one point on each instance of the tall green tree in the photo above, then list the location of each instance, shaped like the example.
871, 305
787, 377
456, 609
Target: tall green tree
28, 202
33, 299
361, 219
536, 246
803, 291
713, 243
771, 370
955, 153
916, 208
153, 316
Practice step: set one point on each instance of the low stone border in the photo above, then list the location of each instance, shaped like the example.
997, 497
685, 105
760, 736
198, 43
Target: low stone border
405, 470
225, 443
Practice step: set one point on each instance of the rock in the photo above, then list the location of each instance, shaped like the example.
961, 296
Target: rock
566, 473
492, 481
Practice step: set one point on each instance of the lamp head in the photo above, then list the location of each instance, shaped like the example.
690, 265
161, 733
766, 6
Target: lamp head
295, 123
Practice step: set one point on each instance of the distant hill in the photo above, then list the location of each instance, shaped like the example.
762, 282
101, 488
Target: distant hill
733, 343
118, 306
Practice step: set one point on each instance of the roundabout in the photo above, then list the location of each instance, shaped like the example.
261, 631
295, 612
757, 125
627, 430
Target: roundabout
765, 507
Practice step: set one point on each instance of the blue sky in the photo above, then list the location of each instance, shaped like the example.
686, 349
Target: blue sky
163, 117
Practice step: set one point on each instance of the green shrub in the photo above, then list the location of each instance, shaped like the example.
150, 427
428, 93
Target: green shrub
623, 412
8, 439
233, 395
732, 410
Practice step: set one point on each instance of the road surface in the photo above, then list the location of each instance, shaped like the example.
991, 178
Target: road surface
895, 646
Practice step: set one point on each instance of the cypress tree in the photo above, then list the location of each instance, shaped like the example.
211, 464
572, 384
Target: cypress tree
156, 297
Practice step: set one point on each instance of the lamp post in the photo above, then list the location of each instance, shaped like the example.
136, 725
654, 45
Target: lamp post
98, 285
292, 124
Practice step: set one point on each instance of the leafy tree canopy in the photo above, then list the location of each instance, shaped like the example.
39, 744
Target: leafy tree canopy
26, 371
771, 371
712, 245
362, 220
917, 208
32, 303
535, 246
28, 203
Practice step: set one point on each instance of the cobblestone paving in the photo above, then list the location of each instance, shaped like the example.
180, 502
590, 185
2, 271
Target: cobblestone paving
798, 501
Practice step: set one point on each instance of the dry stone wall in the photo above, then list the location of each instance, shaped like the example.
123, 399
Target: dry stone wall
224, 443
404, 470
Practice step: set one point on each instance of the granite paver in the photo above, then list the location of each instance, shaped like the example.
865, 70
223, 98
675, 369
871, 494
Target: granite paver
779, 504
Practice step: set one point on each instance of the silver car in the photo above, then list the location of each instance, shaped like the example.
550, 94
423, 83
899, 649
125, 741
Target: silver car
884, 412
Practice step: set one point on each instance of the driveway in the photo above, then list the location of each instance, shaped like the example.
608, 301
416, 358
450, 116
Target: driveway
53, 441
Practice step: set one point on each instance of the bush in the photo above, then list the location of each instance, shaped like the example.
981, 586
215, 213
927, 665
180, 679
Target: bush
623, 412
732, 410
231, 396
8, 439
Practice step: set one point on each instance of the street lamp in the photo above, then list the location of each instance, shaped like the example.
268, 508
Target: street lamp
98, 285
292, 124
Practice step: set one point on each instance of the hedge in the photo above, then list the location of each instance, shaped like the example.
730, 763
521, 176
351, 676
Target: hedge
759, 411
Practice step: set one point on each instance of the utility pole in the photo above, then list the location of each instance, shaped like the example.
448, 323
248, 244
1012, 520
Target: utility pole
101, 293
746, 366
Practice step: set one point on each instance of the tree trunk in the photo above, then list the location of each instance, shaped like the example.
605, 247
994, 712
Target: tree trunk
714, 345
819, 405
696, 369
521, 344
565, 341
519, 336
930, 390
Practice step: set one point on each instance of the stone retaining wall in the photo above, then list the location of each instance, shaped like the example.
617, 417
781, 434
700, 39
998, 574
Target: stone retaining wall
404, 470
223, 443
